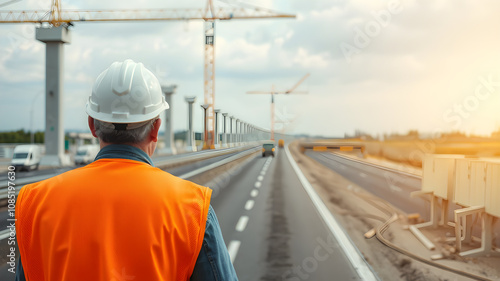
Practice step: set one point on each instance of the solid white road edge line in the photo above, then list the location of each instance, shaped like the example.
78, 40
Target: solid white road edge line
242, 223
350, 250
249, 205
233, 248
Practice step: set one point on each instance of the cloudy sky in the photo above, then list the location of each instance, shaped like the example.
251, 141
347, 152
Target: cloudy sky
377, 66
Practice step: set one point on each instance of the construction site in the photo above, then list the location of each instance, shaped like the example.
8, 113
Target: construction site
300, 192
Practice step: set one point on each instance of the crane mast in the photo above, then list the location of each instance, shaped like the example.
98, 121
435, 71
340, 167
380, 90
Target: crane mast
209, 80
274, 92
209, 77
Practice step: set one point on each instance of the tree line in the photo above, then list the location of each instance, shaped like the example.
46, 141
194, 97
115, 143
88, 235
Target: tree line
21, 136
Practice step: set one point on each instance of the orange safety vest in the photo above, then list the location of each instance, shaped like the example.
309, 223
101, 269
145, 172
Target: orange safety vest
112, 220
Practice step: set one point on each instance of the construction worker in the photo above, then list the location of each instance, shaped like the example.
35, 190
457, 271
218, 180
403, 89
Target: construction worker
120, 218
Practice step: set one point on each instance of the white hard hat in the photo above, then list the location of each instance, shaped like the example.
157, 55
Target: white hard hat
126, 92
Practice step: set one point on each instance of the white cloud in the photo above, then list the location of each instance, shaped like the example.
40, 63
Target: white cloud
327, 14
240, 54
306, 60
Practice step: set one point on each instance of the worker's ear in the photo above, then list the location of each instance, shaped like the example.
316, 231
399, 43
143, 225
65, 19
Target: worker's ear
91, 126
154, 131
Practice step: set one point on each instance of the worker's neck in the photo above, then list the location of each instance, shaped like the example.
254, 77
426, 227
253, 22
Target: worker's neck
148, 147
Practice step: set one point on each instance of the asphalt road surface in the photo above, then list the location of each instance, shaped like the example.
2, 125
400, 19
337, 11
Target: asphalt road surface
392, 186
272, 229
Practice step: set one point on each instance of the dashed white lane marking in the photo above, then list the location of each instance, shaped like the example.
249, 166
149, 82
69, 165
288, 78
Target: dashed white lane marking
233, 248
242, 223
254, 193
249, 205
4, 234
234, 245
363, 175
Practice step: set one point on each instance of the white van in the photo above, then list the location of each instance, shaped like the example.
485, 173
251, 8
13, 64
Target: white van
26, 157
85, 154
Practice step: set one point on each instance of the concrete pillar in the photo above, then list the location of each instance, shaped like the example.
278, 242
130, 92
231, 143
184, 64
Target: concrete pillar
206, 131
54, 39
216, 128
169, 148
237, 132
191, 144
224, 135
243, 132
247, 132
231, 133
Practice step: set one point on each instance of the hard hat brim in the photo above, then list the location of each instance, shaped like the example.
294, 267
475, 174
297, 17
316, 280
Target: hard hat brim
118, 117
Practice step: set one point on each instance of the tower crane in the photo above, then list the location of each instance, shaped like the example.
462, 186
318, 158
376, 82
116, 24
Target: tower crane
57, 17
274, 92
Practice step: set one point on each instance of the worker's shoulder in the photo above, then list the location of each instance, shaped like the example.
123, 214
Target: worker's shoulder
42, 186
160, 181
57, 178
171, 179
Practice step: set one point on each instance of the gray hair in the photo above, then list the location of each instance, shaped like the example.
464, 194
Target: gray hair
107, 133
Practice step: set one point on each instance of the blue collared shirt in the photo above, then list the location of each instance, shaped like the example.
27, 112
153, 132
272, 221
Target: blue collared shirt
213, 261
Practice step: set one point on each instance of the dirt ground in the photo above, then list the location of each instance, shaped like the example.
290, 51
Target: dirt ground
358, 211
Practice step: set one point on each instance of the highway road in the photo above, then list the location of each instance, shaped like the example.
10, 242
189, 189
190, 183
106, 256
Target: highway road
271, 227
273, 230
395, 187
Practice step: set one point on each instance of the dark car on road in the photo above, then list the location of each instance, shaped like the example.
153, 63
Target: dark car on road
268, 149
